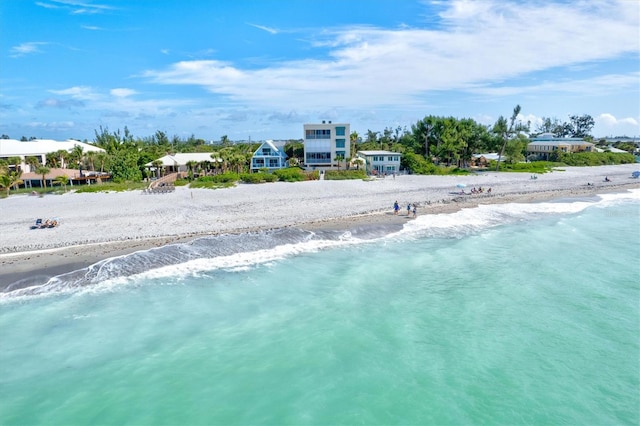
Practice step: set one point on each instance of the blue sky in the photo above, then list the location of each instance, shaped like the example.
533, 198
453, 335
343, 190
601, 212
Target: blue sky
260, 69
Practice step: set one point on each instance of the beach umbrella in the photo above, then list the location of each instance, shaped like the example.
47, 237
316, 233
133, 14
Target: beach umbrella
461, 185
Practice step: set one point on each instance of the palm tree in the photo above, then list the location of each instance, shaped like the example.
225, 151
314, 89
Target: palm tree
339, 159
5, 182
16, 179
358, 162
191, 165
76, 155
102, 158
42, 170
158, 166
91, 159
63, 156
32, 162
353, 138
51, 160
15, 162
62, 180
9, 180
507, 131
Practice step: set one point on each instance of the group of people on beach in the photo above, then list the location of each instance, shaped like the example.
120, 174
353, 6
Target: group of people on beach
411, 208
480, 190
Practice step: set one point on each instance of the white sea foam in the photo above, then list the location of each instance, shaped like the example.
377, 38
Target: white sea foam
473, 220
465, 222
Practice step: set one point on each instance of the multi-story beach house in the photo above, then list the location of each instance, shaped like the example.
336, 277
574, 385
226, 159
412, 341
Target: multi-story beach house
268, 156
326, 144
381, 162
545, 144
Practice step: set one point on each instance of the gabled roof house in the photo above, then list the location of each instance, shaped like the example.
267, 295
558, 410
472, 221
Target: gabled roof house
268, 156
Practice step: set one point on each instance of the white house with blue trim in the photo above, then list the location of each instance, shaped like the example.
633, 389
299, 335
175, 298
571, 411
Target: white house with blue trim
381, 162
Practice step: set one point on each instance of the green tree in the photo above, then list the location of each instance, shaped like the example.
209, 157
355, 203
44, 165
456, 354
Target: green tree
15, 162
353, 140
359, 162
157, 164
42, 171
191, 165
515, 148
51, 160
581, 125
76, 156
62, 181
10, 179
32, 162
124, 167
506, 130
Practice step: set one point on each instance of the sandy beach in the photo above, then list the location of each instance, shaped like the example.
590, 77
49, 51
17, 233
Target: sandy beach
103, 225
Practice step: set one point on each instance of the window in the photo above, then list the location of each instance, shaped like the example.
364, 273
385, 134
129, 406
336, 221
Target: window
340, 154
318, 157
318, 134
340, 130
273, 162
340, 143
266, 151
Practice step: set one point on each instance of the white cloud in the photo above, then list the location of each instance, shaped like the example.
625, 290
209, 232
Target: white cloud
77, 92
122, 93
27, 48
75, 7
264, 28
609, 120
479, 45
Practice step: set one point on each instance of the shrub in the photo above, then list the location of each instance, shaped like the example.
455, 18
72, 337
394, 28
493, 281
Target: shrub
313, 175
258, 177
344, 174
538, 167
110, 186
293, 174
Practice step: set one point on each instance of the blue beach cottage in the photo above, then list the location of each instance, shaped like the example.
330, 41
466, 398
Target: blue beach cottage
268, 156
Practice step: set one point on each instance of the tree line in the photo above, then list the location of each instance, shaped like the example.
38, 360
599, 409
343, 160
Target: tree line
429, 143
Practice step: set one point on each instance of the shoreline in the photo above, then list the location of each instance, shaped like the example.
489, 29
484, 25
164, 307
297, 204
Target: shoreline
92, 230
21, 269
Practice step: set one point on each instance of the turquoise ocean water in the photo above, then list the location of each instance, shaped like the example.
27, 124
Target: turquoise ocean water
502, 314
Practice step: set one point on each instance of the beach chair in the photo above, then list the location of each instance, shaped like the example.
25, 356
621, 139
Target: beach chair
37, 225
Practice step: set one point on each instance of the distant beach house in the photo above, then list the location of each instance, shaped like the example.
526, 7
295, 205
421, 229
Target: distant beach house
178, 162
380, 162
268, 156
325, 143
545, 144
39, 148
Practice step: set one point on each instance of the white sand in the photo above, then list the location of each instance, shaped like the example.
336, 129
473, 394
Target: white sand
101, 225
105, 217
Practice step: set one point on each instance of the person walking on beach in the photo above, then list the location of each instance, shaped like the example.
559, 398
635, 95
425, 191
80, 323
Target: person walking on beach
415, 208
408, 209
396, 207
